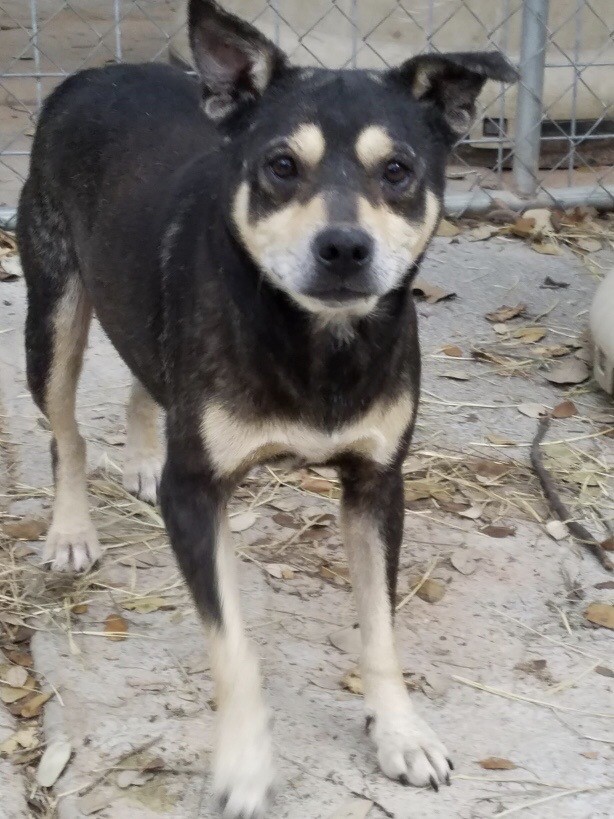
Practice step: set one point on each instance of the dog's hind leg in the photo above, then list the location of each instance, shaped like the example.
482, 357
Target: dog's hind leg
372, 515
143, 463
59, 314
194, 507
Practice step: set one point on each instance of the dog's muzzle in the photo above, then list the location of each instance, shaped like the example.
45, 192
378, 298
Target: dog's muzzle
342, 262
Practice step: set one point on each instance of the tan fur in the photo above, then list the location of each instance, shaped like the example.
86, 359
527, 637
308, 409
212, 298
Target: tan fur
143, 454
235, 444
395, 232
373, 146
308, 143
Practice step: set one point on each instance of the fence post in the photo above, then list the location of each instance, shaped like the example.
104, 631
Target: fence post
530, 92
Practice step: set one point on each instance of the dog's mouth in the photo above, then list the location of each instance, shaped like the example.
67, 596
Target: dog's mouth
339, 295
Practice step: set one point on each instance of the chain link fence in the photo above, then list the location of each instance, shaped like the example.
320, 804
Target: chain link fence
548, 140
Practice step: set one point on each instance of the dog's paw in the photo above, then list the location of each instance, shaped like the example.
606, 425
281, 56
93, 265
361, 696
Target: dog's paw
71, 548
244, 774
142, 476
408, 750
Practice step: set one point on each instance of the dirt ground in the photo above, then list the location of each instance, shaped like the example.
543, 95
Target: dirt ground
504, 665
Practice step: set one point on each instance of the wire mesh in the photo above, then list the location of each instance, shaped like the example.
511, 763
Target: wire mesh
571, 127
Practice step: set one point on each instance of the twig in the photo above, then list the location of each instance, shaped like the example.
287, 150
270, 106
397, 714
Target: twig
578, 531
550, 798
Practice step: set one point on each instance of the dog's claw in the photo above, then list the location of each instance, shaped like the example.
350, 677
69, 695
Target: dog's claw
448, 783
450, 763
434, 784
369, 722
404, 780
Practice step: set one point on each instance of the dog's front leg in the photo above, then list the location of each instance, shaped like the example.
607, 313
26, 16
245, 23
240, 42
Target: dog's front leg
372, 516
194, 508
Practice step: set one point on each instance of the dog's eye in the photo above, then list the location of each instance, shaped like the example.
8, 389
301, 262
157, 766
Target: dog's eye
283, 167
396, 173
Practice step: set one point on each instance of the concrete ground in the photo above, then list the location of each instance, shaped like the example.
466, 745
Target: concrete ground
505, 665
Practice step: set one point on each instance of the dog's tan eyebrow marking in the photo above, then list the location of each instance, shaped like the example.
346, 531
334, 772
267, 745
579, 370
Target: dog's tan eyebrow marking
373, 146
308, 143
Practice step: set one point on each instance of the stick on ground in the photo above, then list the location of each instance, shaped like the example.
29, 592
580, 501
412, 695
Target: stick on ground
579, 532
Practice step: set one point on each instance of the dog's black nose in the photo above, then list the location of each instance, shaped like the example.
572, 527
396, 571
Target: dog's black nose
343, 250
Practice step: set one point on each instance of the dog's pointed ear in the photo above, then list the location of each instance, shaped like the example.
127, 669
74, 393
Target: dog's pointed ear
234, 60
453, 81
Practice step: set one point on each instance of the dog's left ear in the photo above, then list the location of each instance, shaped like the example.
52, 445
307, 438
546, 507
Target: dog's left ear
235, 61
453, 81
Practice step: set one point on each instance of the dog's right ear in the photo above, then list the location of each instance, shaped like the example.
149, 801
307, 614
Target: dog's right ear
235, 61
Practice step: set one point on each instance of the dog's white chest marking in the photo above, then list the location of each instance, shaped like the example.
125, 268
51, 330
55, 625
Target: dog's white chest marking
234, 443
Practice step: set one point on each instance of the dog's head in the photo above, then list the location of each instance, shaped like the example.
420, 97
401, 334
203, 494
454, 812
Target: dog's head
340, 173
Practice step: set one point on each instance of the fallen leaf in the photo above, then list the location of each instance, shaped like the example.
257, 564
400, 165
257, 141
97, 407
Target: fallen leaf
431, 591
500, 329
10, 694
479, 234
421, 488
489, 469
589, 754
608, 544
542, 219
34, 705
572, 371
605, 584
547, 248
552, 284
588, 245
499, 440
497, 763
601, 614
452, 506
281, 571
352, 681
604, 671
321, 486
523, 227
452, 350
286, 504
529, 334
128, 778
552, 350
24, 739
537, 666
115, 627
455, 375
242, 521
80, 608
325, 472
145, 605
557, 529
94, 802
354, 808
53, 762
566, 409
473, 513
15, 675
505, 313
533, 410
346, 639
10, 269
447, 229
498, 531
430, 292
20, 658
337, 572
584, 354
286, 520
463, 562
25, 529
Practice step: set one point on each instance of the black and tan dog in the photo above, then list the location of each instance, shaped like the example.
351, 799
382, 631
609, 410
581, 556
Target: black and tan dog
247, 244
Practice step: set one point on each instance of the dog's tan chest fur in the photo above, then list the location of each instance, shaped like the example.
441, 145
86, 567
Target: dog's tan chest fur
235, 444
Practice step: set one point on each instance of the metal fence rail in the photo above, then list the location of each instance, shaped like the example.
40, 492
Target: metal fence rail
548, 141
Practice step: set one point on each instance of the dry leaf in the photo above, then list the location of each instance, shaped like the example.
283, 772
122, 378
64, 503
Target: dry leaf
10, 694
529, 334
463, 562
500, 440
321, 486
447, 229
455, 375
604, 671
572, 371
473, 513
500, 329
242, 521
566, 409
547, 248
589, 754
588, 245
557, 529
145, 605
605, 584
346, 639
128, 778
430, 292
532, 410
542, 219
608, 544
10, 269
34, 705
489, 469
601, 614
115, 627
354, 808
421, 488
552, 284
20, 658
53, 762
536, 666
337, 572
497, 763
280, 571
505, 313
479, 234
25, 529
431, 591
24, 739
14, 675
452, 350
523, 227
498, 531
80, 608
286, 520
352, 681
